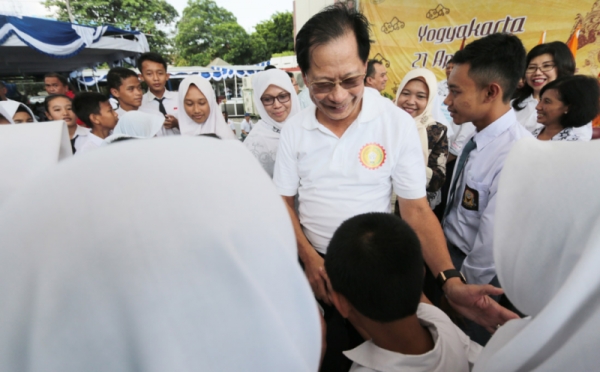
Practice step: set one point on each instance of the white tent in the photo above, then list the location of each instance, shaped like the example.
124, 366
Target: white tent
35, 46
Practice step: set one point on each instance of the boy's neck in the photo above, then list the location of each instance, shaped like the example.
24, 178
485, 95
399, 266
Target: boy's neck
101, 131
495, 113
72, 129
127, 107
405, 336
159, 94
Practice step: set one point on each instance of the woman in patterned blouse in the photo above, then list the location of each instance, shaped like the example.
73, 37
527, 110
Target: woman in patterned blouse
566, 103
415, 95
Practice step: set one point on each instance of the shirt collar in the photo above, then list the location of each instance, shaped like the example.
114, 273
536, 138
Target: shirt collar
367, 113
489, 133
168, 95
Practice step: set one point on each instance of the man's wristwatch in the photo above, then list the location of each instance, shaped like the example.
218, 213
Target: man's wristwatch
447, 274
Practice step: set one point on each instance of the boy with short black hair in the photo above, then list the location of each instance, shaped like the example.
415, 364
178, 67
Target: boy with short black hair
158, 100
125, 86
95, 110
375, 268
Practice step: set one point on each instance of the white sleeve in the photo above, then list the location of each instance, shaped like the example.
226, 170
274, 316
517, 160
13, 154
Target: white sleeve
461, 137
285, 174
409, 176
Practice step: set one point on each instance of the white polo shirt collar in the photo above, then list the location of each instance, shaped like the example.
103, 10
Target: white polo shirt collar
367, 112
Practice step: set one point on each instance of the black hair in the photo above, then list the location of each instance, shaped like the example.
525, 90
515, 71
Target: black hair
116, 75
226, 115
330, 24
375, 261
23, 108
451, 60
371, 68
269, 67
290, 74
86, 104
63, 80
52, 98
496, 58
3, 118
563, 60
581, 94
152, 57
2, 85
212, 135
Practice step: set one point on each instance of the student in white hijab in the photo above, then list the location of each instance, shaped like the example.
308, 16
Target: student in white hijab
13, 111
202, 114
416, 95
139, 279
547, 249
276, 101
136, 124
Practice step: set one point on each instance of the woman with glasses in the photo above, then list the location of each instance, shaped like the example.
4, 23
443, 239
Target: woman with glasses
276, 101
416, 95
545, 63
565, 104
201, 111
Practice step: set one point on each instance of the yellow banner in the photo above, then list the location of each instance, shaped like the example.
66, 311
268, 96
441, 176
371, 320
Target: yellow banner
410, 34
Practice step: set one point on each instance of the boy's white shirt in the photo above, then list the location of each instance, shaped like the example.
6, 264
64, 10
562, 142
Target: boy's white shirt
453, 350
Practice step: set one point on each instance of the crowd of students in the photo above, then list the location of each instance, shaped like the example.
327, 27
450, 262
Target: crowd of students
226, 298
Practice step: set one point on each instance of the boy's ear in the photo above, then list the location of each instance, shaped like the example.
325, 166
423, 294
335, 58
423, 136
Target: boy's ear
114, 92
94, 119
341, 303
493, 91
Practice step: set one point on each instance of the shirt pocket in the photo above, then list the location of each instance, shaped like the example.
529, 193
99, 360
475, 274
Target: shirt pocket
474, 198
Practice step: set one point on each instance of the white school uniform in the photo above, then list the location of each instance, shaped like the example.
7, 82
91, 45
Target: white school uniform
150, 105
452, 351
80, 137
337, 178
92, 143
470, 223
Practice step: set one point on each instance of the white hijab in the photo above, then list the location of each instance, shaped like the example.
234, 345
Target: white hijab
136, 278
215, 123
426, 118
9, 109
547, 250
136, 124
263, 140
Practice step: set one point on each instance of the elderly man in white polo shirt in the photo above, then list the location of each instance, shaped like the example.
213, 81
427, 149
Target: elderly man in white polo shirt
346, 156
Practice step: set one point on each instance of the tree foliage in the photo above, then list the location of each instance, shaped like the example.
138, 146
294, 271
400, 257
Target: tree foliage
140, 15
207, 31
278, 32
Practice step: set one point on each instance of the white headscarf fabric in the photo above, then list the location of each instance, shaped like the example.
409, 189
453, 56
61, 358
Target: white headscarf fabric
215, 123
263, 140
426, 118
138, 277
9, 109
547, 249
30, 149
136, 124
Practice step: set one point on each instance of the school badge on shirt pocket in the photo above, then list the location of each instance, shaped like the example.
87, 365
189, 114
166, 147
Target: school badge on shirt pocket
470, 199
372, 155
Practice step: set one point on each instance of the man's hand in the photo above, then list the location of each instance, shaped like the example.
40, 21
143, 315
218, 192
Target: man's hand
474, 302
171, 122
313, 267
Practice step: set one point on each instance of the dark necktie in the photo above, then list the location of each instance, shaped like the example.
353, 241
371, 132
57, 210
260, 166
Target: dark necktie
457, 173
161, 107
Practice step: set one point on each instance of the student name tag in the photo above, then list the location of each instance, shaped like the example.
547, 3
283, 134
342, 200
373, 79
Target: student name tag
470, 199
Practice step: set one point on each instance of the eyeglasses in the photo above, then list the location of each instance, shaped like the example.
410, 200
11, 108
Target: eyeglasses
269, 100
320, 87
543, 68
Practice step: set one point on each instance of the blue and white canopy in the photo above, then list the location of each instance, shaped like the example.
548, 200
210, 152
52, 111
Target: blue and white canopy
32, 45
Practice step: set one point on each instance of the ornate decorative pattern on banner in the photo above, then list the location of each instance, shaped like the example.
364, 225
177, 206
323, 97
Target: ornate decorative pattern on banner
411, 34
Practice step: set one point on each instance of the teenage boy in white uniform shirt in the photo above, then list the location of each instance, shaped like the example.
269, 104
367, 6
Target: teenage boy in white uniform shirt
483, 79
125, 86
158, 100
95, 110
345, 157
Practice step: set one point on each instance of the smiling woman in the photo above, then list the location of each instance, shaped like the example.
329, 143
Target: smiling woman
202, 114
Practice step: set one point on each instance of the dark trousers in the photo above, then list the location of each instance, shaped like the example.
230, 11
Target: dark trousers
341, 336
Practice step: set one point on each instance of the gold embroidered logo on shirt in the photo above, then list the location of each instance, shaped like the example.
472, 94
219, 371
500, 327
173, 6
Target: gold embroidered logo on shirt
372, 155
